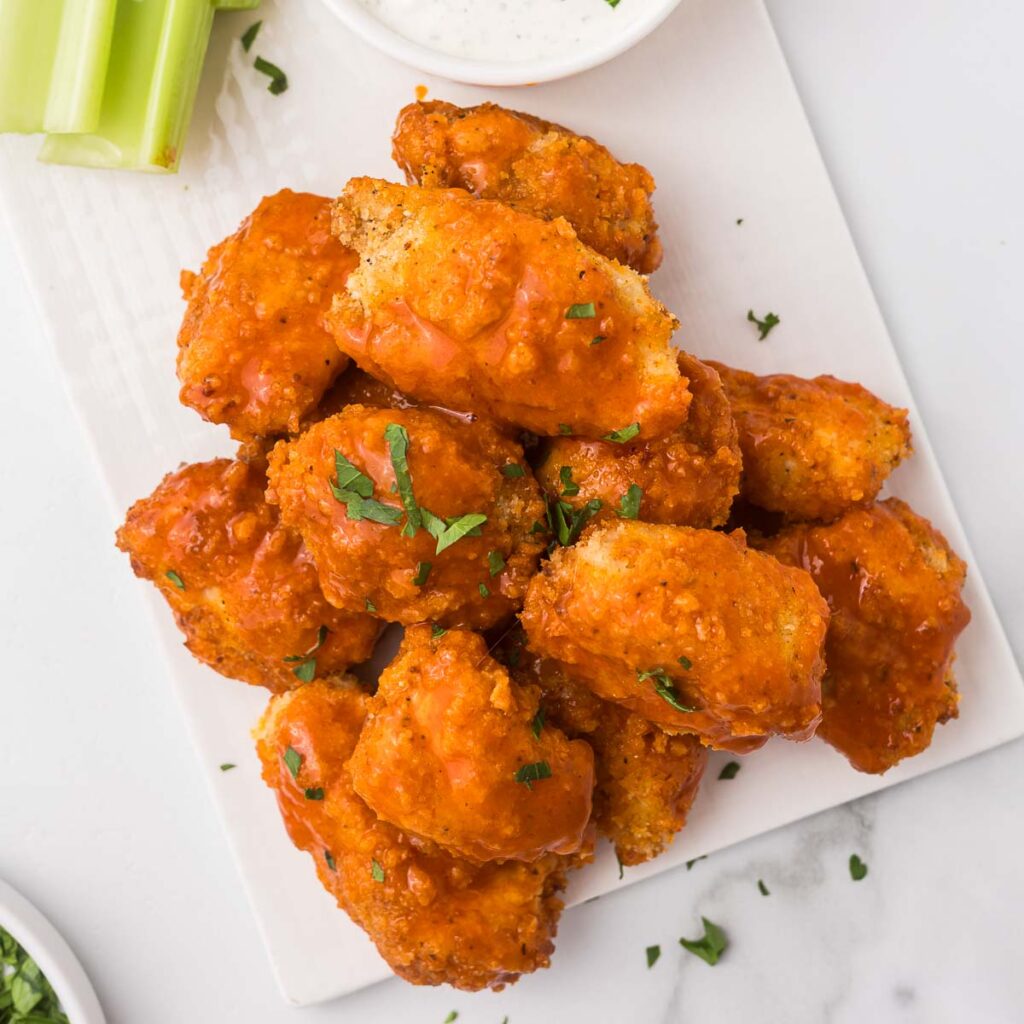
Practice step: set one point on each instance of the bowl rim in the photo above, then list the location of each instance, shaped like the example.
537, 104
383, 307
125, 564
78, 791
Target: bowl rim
34, 933
481, 72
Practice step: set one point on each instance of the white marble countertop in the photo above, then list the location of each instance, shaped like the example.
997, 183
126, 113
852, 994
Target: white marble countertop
105, 822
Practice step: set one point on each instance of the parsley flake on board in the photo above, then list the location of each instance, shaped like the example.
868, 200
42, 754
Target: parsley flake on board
454, 1015
581, 311
513, 470
528, 774
306, 669
226, 767
249, 36
422, 573
629, 504
622, 866
653, 952
278, 79
690, 863
293, 760
624, 434
537, 723
376, 871
710, 946
858, 869
730, 771
762, 888
764, 327
569, 487
664, 687
175, 579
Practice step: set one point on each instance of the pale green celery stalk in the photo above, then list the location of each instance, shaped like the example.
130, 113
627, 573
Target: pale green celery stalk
152, 75
53, 62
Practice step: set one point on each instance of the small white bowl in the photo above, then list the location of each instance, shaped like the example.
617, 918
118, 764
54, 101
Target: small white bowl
53, 955
485, 72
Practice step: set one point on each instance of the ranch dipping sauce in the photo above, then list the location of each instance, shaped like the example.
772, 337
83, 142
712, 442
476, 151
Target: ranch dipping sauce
506, 31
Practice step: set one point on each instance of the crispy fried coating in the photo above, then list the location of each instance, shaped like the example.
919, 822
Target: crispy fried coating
244, 590
536, 167
436, 919
449, 753
688, 477
468, 304
688, 628
812, 449
252, 350
646, 779
893, 585
455, 469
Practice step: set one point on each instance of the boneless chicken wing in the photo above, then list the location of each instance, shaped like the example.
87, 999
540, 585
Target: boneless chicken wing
686, 478
688, 628
436, 919
536, 167
242, 587
893, 584
813, 448
452, 751
412, 514
468, 304
252, 350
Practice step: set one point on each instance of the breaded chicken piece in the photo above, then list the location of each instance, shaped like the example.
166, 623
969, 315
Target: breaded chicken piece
536, 167
452, 752
468, 304
242, 587
253, 351
893, 585
646, 779
434, 918
688, 628
687, 478
464, 554
812, 449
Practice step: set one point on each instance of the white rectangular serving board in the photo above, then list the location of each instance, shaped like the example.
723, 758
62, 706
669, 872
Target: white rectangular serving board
708, 105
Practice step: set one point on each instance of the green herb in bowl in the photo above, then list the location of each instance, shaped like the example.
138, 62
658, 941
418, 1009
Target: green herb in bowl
26, 997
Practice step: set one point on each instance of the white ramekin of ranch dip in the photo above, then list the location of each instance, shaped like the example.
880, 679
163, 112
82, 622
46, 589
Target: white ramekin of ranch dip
503, 42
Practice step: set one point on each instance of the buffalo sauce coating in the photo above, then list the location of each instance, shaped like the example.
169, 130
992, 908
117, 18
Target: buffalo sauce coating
435, 918
244, 590
252, 350
468, 304
447, 733
688, 628
456, 469
687, 478
813, 448
536, 167
893, 585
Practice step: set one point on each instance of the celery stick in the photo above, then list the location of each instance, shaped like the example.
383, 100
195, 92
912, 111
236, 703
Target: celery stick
29, 31
156, 58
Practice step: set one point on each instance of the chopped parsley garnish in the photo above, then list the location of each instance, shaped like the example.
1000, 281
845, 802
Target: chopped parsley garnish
629, 503
685, 662
306, 669
495, 562
567, 523
537, 723
664, 687
730, 771
175, 579
581, 311
422, 572
622, 866
739, 220
653, 952
764, 326
710, 946
513, 470
538, 527
858, 869
370, 606
226, 767
564, 428
569, 487
447, 531
528, 774
354, 490
397, 438
624, 434
376, 871
484, 592
762, 888
26, 996
293, 759
314, 793
278, 79
612, 3
596, 340
330, 860
690, 863
436, 632
454, 1015
250, 34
